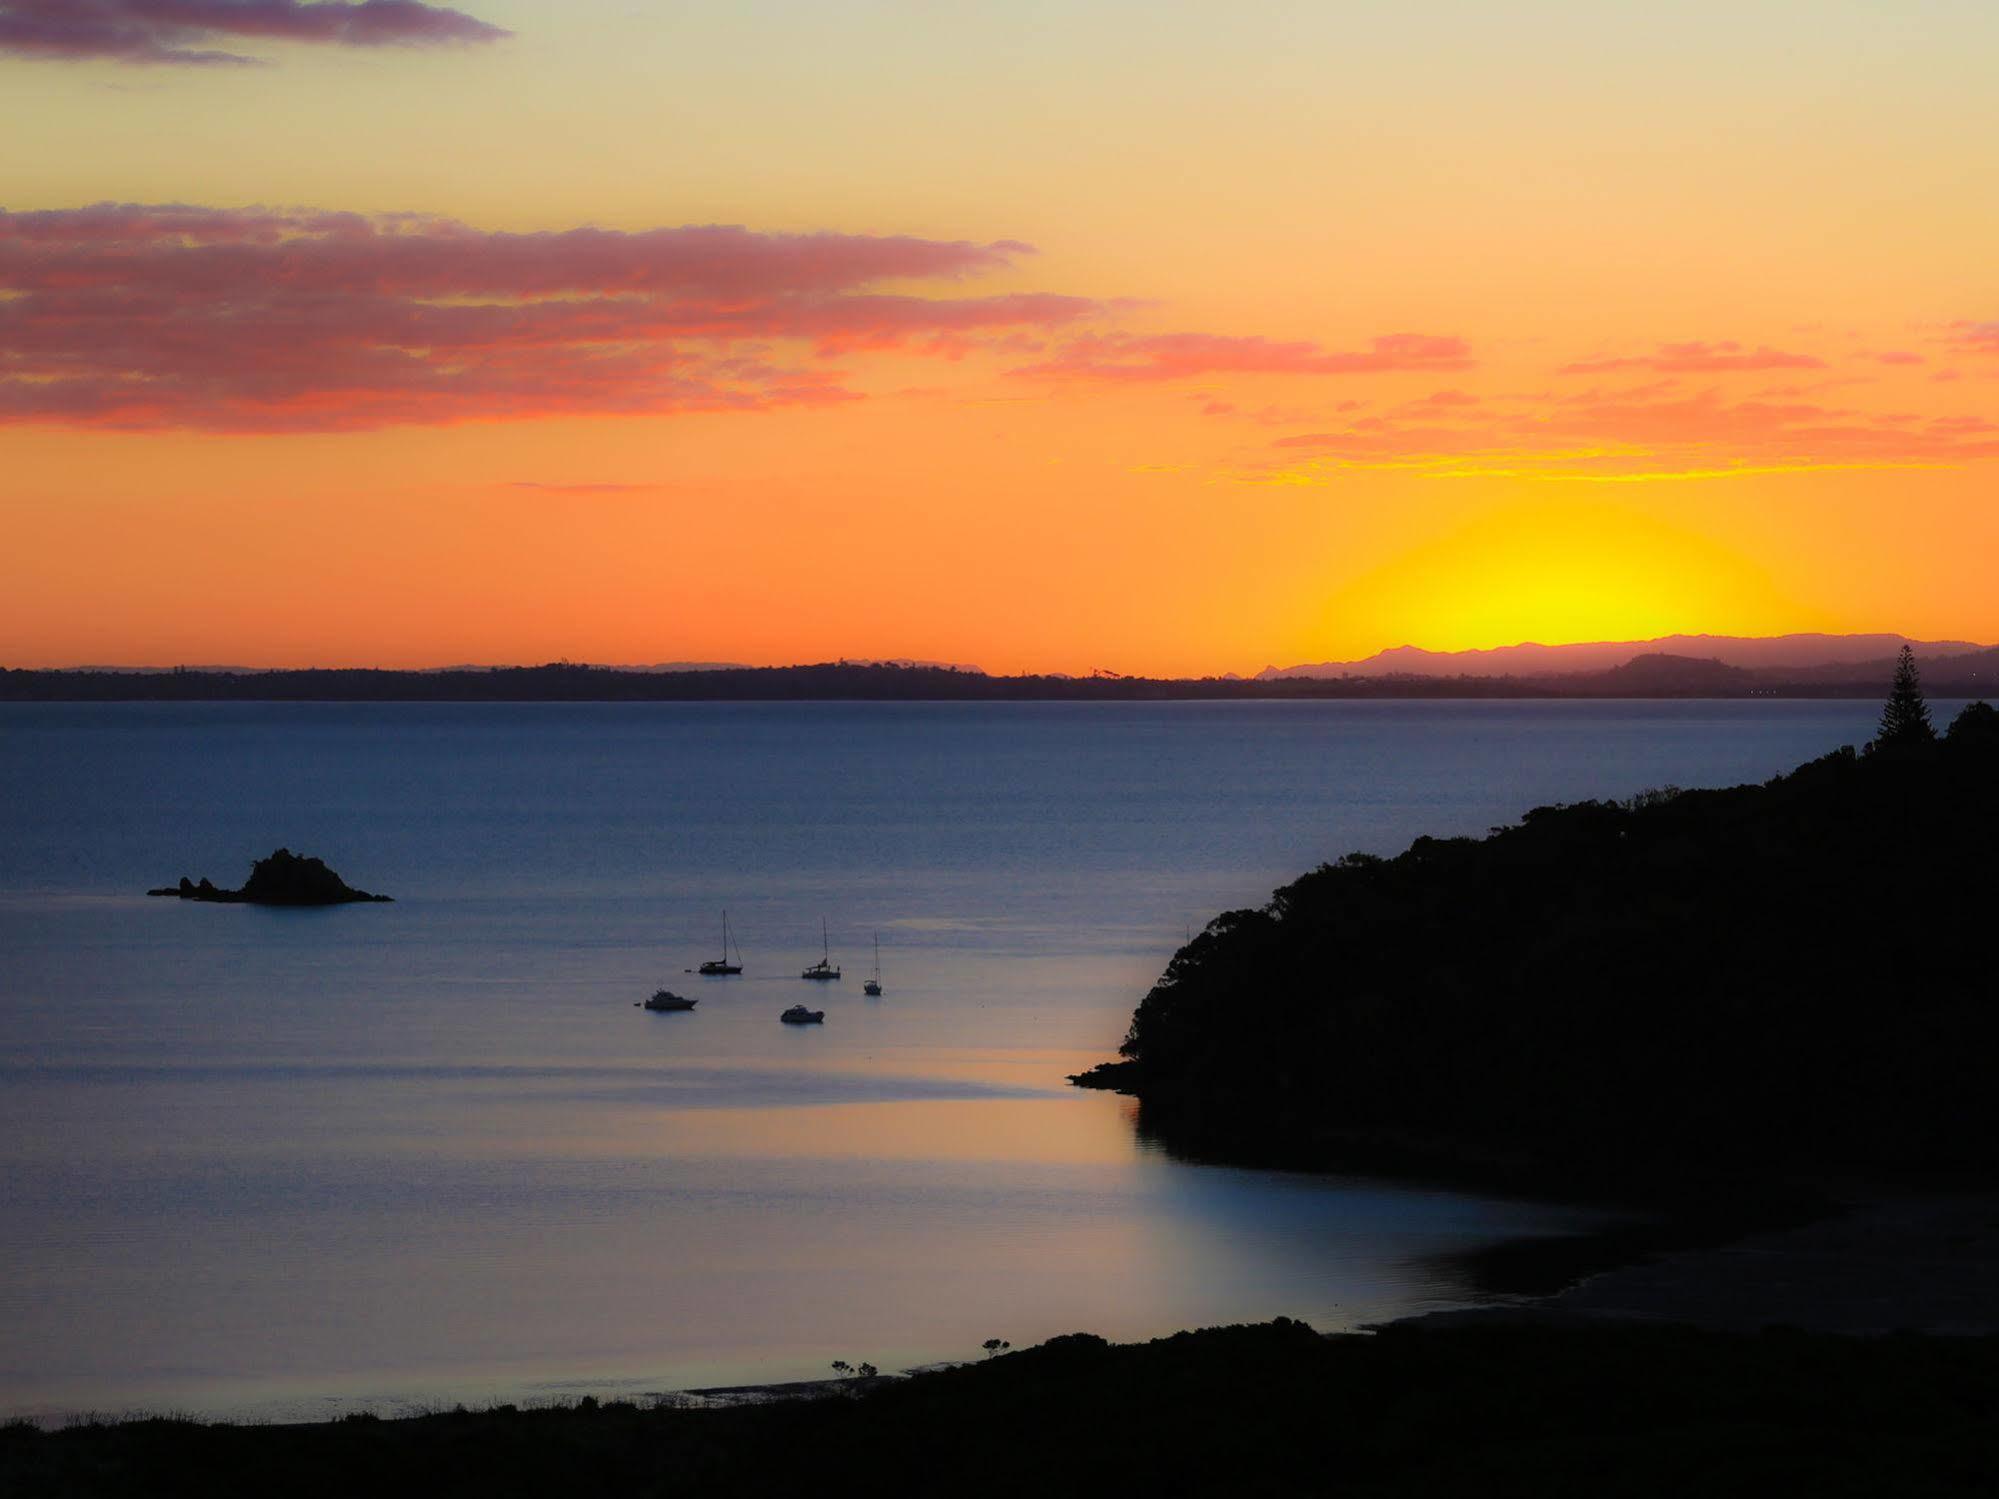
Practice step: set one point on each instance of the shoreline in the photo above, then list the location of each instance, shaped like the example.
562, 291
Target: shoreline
1641, 1220
1273, 1408
1849, 1257
1887, 1262
1869, 1264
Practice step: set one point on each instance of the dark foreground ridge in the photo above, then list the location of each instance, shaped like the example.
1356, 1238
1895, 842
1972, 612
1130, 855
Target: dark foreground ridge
284, 879
1266, 1410
1788, 978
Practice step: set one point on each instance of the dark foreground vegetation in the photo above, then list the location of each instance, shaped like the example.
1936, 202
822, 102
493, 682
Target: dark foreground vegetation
1266, 1410
284, 879
1793, 977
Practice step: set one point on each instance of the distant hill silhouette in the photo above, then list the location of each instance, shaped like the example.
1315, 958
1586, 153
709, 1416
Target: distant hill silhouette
1976, 670
1653, 674
1793, 975
659, 666
1772, 652
1657, 674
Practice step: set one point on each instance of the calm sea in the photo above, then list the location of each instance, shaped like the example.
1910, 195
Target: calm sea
286, 1163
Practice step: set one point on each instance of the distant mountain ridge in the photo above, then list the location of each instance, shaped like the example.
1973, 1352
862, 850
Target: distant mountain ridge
1950, 670
1529, 659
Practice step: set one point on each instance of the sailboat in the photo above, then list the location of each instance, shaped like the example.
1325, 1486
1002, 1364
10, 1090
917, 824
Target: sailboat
873, 987
722, 964
823, 969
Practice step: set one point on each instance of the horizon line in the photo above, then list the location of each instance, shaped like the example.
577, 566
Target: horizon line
1956, 646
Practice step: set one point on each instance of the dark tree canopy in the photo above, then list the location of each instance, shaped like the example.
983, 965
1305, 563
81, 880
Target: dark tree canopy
1905, 717
1976, 723
1790, 975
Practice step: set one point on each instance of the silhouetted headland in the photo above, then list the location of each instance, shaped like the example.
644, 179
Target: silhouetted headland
1788, 979
284, 879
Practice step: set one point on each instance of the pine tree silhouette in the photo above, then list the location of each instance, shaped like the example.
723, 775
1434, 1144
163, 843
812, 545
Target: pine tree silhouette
1905, 717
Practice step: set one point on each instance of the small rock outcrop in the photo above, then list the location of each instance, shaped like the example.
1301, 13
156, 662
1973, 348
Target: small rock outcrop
284, 879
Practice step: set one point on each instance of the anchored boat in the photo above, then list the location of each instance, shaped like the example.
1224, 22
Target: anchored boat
822, 970
799, 1015
873, 987
722, 965
666, 999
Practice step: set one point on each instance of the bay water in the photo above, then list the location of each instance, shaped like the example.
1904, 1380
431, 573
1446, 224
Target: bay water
287, 1163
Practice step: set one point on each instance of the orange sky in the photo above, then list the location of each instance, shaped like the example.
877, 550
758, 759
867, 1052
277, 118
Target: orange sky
1340, 328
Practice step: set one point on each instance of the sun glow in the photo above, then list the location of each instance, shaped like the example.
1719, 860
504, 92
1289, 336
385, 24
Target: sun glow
1555, 573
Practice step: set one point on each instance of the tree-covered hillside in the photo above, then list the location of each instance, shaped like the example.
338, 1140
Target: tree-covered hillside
1798, 974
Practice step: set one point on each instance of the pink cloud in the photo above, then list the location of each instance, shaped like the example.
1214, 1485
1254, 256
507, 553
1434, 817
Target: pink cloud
1648, 427
187, 32
1897, 356
181, 316
1380, 439
1977, 338
202, 251
1698, 358
1175, 356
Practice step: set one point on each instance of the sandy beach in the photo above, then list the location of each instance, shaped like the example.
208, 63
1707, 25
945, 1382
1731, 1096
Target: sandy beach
1901, 1263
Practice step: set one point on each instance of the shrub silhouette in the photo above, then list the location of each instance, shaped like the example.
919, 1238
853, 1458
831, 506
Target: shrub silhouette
1975, 722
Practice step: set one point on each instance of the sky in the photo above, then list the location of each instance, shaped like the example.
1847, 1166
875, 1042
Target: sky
1173, 337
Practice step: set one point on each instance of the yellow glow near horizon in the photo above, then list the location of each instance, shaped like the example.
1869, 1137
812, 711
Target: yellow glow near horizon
1557, 573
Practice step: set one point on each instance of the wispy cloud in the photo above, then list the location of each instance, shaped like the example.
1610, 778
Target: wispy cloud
1698, 358
261, 320
183, 316
1500, 468
198, 33
541, 486
1976, 338
1646, 434
1177, 356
